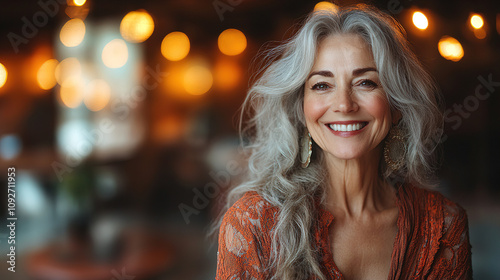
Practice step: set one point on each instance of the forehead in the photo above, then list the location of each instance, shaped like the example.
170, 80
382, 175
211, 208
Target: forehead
343, 49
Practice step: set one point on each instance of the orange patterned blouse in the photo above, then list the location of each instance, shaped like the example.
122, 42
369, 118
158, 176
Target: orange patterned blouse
432, 240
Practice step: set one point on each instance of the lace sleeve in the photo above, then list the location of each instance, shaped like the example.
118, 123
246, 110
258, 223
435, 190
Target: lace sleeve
241, 252
453, 259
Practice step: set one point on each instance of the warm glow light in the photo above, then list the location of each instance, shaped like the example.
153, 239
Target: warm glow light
71, 92
72, 32
326, 6
3, 75
450, 48
227, 74
420, 20
69, 67
175, 46
97, 96
79, 2
173, 81
197, 80
476, 21
115, 54
137, 26
45, 76
480, 33
498, 24
232, 42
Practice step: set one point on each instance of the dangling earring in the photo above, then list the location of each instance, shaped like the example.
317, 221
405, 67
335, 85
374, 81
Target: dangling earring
306, 149
395, 148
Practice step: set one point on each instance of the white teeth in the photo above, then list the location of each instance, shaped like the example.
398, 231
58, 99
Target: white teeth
349, 127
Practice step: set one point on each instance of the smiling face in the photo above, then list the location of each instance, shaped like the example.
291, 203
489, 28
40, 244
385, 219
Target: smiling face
345, 106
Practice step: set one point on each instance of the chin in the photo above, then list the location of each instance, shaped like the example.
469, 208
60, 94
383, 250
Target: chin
347, 155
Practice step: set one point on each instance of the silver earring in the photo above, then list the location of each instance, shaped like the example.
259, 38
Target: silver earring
306, 149
395, 149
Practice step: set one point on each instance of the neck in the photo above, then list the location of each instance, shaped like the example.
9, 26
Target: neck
355, 187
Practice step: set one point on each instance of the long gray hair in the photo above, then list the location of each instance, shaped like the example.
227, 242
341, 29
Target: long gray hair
275, 103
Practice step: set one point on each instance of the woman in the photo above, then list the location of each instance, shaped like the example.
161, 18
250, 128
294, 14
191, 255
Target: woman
344, 122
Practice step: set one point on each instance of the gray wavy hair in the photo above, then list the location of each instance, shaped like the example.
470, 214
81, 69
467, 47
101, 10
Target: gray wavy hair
275, 103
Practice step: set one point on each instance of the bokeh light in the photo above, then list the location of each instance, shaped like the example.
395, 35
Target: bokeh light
115, 54
10, 146
476, 21
227, 74
137, 26
480, 33
420, 20
326, 6
175, 46
498, 23
72, 32
71, 92
197, 80
69, 67
450, 48
46, 75
97, 95
232, 42
79, 2
3, 75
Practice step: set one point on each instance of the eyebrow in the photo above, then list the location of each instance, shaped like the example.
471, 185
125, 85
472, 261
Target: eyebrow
359, 71
355, 72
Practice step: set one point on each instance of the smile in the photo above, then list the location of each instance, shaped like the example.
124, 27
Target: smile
354, 126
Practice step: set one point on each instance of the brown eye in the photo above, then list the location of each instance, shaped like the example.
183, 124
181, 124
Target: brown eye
368, 83
320, 86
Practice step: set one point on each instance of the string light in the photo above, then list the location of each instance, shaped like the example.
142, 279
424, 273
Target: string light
115, 53
69, 67
420, 20
175, 46
3, 75
72, 32
450, 48
46, 74
476, 21
326, 6
79, 2
98, 95
197, 80
137, 26
232, 42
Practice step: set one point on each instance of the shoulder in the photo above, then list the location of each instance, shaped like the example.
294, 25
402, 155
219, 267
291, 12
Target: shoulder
251, 214
251, 211
245, 231
438, 235
435, 202
440, 213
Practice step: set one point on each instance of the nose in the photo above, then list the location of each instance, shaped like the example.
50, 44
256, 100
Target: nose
343, 101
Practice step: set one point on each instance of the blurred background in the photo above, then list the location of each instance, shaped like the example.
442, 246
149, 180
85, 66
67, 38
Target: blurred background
120, 121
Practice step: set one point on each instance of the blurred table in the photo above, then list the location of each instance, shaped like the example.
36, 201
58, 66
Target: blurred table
144, 255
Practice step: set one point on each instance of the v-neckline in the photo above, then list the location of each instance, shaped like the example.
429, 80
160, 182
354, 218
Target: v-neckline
395, 249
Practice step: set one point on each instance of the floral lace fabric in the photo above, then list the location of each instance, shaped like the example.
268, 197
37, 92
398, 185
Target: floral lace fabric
432, 240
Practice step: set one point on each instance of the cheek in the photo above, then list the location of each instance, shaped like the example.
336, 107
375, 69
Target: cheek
314, 108
379, 109
378, 106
